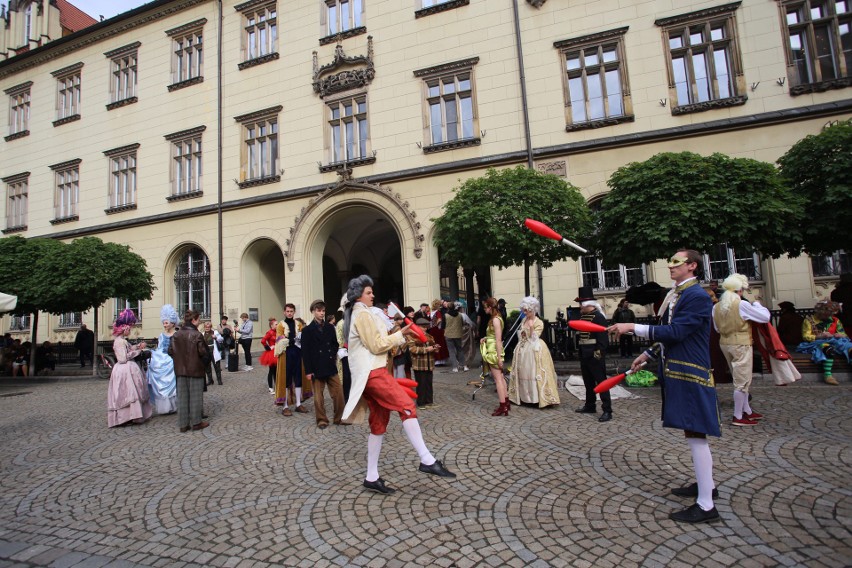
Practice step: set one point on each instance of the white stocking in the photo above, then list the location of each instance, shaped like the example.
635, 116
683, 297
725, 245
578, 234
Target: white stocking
746, 405
415, 436
702, 462
298, 397
738, 403
374, 448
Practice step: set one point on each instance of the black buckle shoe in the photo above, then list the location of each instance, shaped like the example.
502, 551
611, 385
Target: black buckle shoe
691, 491
605, 417
378, 486
436, 468
695, 514
585, 410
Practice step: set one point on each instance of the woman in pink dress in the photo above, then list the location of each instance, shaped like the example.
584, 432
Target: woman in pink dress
127, 398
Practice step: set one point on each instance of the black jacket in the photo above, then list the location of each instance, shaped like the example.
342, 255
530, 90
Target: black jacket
319, 350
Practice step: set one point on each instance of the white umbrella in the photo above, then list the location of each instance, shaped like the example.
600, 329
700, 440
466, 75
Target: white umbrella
7, 302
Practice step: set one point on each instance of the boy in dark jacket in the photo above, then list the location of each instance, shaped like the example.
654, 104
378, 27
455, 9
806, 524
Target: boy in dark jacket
319, 356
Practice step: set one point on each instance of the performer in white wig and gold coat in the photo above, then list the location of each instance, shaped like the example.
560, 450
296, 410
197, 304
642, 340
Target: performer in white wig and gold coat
375, 388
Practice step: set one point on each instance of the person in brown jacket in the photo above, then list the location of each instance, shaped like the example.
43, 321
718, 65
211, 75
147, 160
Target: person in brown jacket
189, 352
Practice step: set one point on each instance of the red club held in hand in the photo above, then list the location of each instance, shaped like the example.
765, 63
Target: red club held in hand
393, 311
583, 325
543, 230
612, 381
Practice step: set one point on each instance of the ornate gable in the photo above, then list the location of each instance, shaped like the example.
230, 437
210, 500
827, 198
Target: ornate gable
344, 72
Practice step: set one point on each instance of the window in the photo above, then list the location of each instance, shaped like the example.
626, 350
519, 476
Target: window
28, 23
19, 110
67, 194
260, 36
68, 94
600, 276
260, 150
192, 282
16, 202
123, 78
348, 132
721, 261
20, 323
450, 105
343, 15
122, 304
704, 64
122, 174
596, 80
833, 265
70, 319
819, 47
186, 163
187, 54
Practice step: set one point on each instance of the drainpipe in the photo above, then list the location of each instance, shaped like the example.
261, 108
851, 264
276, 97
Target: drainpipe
219, 157
523, 80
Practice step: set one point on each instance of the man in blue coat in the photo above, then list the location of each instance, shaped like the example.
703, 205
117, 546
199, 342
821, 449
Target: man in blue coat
319, 355
681, 344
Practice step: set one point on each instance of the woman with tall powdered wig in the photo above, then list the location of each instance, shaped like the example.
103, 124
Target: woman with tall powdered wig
162, 382
533, 378
127, 398
491, 347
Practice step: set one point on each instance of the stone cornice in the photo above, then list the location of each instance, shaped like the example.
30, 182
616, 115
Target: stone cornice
69, 70
251, 4
698, 15
190, 27
66, 119
94, 34
16, 229
120, 208
447, 67
17, 89
15, 178
66, 165
122, 102
258, 60
593, 124
821, 87
121, 150
184, 196
709, 105
442, 7
599, 37
454, 145
258, 181
185, 83
346, 34
188, 133
258, 114
123, 50
16, 135
68, 219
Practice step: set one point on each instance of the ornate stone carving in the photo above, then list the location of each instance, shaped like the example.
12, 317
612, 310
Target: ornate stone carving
358, 71
709, 105
346, 183
558, 168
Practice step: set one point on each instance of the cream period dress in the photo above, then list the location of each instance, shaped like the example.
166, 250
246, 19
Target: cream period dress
533, 378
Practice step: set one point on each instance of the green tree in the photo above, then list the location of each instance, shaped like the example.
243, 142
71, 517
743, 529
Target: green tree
483, 224
818, 169
675, 200
50, 276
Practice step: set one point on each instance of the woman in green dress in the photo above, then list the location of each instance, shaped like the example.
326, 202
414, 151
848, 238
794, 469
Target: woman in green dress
491, 347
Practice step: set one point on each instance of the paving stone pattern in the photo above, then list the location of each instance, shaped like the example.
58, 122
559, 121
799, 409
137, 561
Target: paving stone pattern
538, 488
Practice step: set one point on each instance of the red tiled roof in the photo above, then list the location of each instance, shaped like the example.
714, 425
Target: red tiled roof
73, 18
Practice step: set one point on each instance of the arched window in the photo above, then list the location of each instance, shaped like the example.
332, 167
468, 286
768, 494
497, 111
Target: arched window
192, 282
28, 22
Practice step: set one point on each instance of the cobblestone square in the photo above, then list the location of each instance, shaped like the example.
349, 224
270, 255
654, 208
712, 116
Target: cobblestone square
538, 488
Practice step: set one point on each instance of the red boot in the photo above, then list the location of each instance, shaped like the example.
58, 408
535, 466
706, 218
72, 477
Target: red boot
502, 410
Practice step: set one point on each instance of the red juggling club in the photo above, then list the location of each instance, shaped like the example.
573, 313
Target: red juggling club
612, 381
584, 325
543, 230
393, 310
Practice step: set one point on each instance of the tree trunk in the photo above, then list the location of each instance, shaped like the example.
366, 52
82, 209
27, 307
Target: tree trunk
468, 284
526, 277
95, 329
453, 273
33, 342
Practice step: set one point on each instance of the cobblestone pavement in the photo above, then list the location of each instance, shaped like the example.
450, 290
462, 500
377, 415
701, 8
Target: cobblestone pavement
539, 488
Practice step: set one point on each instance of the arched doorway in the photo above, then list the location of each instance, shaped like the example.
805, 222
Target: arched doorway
359, 239
262, 271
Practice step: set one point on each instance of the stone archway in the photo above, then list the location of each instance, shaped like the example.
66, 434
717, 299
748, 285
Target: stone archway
262, 286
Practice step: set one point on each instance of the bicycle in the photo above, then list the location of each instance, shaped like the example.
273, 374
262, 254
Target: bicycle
106, 361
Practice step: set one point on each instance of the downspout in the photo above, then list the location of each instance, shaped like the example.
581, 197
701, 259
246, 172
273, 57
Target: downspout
523, 80
219, 167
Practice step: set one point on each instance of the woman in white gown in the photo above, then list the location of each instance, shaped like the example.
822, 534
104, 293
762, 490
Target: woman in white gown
162, 382
533, 378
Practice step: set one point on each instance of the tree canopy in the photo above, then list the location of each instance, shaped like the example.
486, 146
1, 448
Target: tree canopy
818, 169
483, 223
677, 200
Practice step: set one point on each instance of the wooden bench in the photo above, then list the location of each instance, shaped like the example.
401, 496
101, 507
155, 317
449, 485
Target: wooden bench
805, 366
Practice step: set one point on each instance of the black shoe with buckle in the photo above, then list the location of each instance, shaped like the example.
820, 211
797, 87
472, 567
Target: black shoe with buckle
695, 514
378, 486
586, 410
691, 491
436, 468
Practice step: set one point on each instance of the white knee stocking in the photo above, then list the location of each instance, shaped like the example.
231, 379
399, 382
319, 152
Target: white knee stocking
738, 403
702, 462
298, 396
415, 436
746, 405
374, 448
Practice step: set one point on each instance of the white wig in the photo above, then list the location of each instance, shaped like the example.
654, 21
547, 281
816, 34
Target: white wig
735, 283
530, 303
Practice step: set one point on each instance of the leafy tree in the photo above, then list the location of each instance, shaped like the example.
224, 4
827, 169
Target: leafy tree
50, 276
483, 223
675, 200
817, 168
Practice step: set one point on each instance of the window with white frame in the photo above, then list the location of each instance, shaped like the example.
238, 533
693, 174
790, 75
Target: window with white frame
595, 77
450, 100
68, 93
29, 22
819, 46
260, 147
123, 74
186, 162
20, 323
192, 282
601, 276
260, 30
721, 261
16, 202
832, 265
122, 177
19, 110
70, 319
66, 196
347, 129
187, 53
704, 63
343, 15
122, 304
